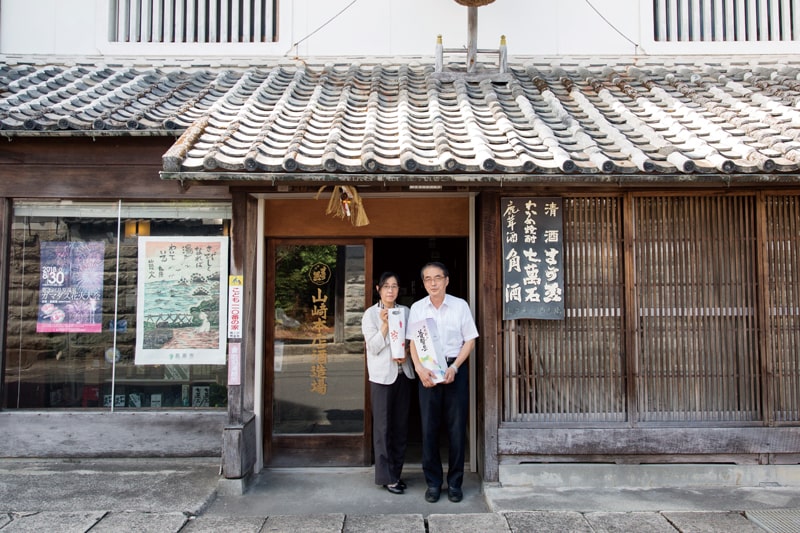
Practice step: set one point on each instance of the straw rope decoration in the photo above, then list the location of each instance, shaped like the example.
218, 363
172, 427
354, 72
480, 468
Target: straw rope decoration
345, 203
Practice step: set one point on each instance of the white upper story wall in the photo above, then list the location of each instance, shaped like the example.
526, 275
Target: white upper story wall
409, 28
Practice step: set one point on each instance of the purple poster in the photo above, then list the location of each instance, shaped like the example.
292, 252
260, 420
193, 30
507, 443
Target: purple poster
71, 287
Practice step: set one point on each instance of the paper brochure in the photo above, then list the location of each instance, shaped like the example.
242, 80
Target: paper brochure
397, 333
426, 340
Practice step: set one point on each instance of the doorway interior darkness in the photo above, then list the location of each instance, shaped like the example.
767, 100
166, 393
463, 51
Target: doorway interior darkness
405, 257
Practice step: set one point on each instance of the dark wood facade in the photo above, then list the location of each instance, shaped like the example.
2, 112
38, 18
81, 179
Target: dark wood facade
680, 342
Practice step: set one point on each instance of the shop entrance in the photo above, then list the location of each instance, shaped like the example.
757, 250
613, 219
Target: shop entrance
405, 257
319, 277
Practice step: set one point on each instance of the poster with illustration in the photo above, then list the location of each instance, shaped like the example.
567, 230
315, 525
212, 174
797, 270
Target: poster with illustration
181, 300
71, 287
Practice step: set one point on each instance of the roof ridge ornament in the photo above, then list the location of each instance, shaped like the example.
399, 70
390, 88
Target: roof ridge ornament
472, 39
479, 71
474, 3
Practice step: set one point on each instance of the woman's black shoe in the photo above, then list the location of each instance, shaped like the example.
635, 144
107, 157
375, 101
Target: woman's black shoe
394, 488
402, 484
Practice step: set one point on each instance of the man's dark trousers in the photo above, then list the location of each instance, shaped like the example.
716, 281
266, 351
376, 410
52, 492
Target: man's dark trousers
446, 404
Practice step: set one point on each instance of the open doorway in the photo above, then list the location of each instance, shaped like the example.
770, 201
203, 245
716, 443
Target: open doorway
315, 404
405, 257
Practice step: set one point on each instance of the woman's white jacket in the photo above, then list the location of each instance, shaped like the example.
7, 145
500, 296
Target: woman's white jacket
380, 365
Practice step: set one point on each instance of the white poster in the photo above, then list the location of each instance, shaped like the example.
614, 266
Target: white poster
182, 290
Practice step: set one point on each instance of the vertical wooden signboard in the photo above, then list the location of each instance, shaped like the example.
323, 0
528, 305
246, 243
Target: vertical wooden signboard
533, 273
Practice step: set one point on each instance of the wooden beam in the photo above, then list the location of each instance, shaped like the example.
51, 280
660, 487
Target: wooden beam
101, 182
83, 168
389, 217
644, 441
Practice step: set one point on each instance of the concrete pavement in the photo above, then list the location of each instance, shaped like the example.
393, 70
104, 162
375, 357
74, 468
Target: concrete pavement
188, 495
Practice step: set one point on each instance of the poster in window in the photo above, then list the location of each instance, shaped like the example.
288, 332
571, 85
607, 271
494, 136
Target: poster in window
71, 287
533, 254
181, 300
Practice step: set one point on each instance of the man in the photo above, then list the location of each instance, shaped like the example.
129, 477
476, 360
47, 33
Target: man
448, 401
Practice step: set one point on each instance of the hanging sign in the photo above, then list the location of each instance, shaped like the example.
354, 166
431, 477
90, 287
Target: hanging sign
235, 290
533, 273
234, 363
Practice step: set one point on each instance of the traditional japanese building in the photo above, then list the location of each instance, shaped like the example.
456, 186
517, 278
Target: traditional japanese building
625, 231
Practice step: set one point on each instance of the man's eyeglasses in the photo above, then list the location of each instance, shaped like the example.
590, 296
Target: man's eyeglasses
430, 279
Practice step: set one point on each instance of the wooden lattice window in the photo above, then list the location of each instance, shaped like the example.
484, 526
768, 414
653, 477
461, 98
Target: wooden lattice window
726, 20
572, 370
192, 21
698, 328
783, 265
696, 292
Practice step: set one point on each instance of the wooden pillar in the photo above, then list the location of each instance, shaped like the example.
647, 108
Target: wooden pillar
489, 368
239, 436
5, 244
764, 305
472, 38
631, 318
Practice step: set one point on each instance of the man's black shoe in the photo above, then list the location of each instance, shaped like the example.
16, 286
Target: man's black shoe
454, 495
402, 484
432, 494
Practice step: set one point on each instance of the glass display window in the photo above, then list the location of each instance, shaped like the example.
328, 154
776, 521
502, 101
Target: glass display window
72, 307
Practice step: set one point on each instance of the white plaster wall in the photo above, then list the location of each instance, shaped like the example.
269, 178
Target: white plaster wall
532, 27
368, 27
47, 26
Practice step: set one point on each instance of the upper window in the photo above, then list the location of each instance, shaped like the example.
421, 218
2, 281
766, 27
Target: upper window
193, 21
725, 20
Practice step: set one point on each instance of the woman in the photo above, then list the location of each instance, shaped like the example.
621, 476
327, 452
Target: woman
390, 375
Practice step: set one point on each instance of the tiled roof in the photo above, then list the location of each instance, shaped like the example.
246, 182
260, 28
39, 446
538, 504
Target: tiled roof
404, 118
